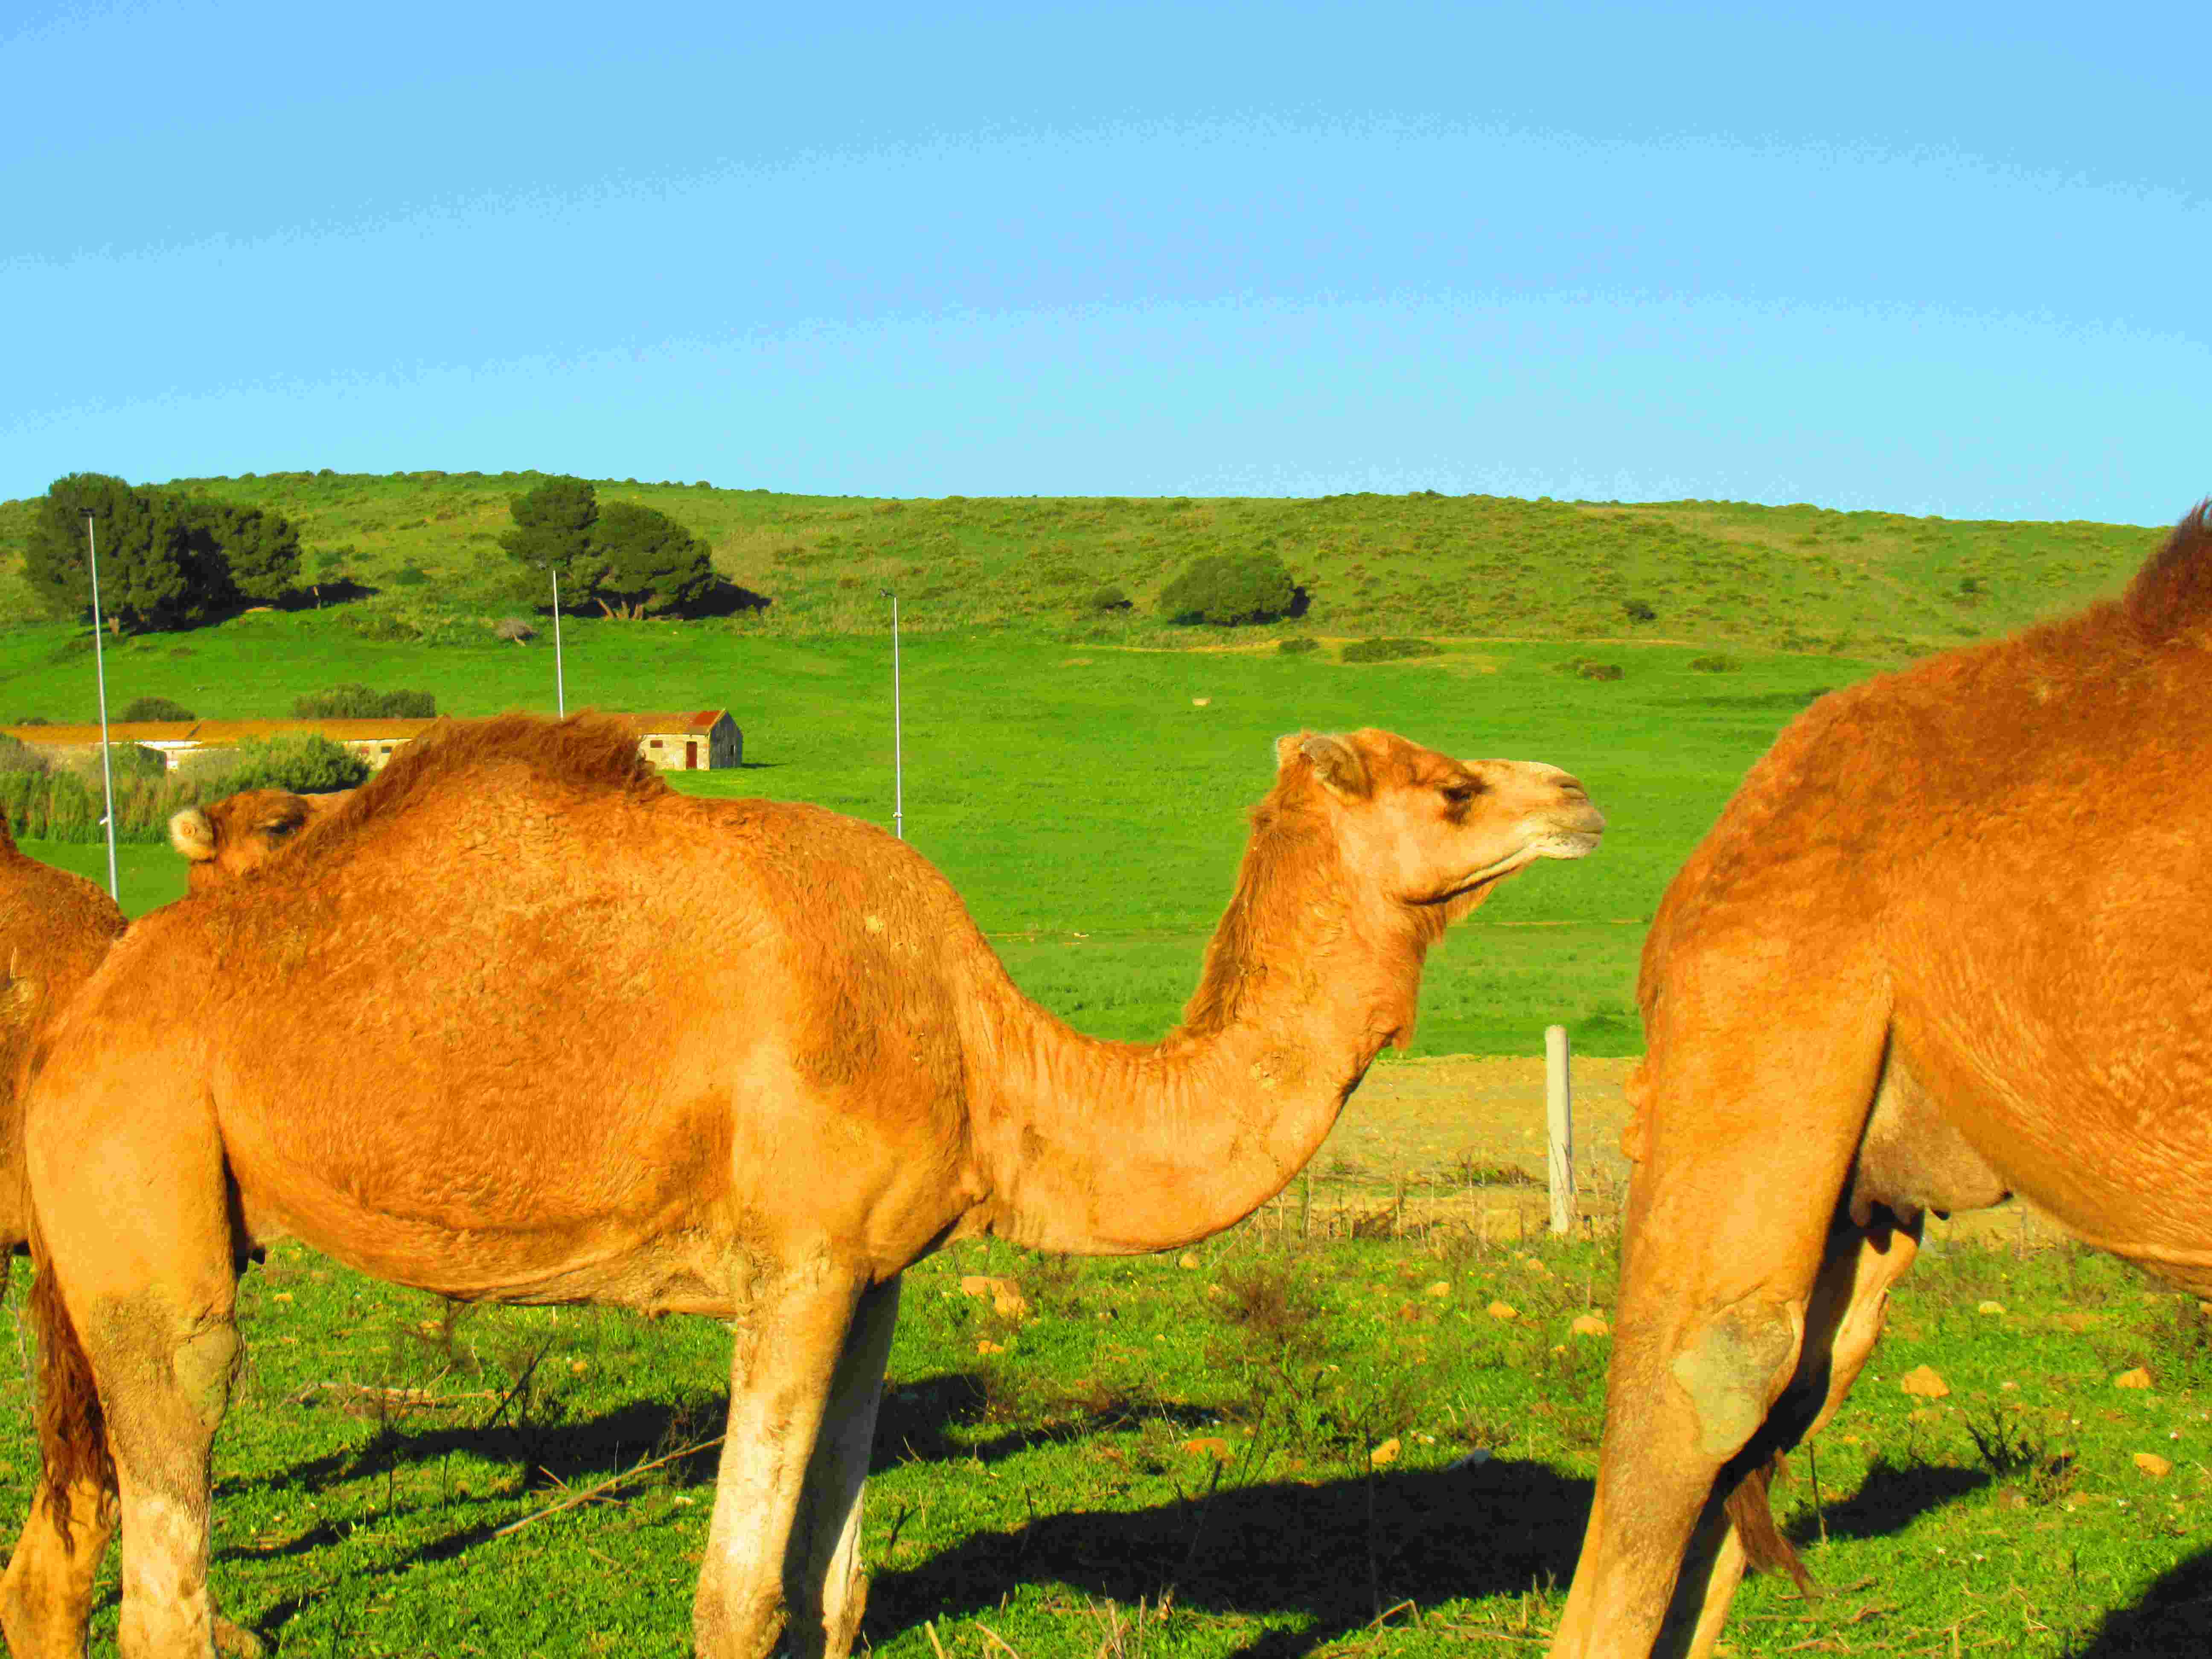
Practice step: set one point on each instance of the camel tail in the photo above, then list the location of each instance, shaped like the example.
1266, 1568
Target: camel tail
72, 1426
1765, 1548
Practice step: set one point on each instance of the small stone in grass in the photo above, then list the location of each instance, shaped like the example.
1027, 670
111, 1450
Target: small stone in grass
1922, 1384
989, 1346
2137, 1378
1209, 1446
1189, 1261
2152, 1465
1440, 1288
1590, 1324
1385, 1453
1503, 1311
1995, 1309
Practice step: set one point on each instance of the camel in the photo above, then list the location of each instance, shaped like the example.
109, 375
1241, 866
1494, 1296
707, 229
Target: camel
240, 833
519, 1023
1951, 940
55, 928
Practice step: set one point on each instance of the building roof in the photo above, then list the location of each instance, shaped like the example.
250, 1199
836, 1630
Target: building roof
222, 732
697, 723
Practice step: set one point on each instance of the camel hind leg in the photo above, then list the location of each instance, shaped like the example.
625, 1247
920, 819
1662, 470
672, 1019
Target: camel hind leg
1747, 1130
150, 1289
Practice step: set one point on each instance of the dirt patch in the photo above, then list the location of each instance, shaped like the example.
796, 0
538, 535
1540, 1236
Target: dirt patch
1461, 1137
1448, 1121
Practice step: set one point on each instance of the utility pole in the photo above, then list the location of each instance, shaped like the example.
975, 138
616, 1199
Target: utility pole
898, 741
559, 689
99, 674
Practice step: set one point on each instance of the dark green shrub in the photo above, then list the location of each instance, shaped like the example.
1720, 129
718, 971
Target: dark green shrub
306, 762
1298, 647
1638, 611
1107, 599
126, 760
408, 576
1225, 590
155, 708
1390, 650
1598, 671
1714, 665
355, 701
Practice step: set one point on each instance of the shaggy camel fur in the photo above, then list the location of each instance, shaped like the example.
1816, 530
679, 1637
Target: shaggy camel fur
1952, 939
240, 833
841, 1078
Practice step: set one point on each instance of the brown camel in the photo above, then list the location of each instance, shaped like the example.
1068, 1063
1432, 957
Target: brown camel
842, 1080
55, 928
1952, 939
240, 833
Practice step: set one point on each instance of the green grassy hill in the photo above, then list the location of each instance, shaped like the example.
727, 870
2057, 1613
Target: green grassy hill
1874, 585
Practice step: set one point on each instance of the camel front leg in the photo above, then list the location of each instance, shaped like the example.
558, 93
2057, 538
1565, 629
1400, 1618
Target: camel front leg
823, 1581
789, 1342
1745, 1149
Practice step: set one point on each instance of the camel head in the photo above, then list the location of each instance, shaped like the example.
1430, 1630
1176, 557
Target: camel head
242, 832
1429, 830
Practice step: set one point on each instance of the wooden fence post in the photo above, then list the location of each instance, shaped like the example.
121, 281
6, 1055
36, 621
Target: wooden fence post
1559, 1123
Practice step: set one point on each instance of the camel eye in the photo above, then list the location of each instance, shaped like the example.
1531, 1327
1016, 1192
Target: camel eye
278, 829
1460, 794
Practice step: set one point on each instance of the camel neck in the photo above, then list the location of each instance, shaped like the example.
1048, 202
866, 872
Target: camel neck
1107, 1148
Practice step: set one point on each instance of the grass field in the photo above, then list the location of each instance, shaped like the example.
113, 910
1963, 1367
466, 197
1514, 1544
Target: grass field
1255, 1449
1875, 584
1088, 801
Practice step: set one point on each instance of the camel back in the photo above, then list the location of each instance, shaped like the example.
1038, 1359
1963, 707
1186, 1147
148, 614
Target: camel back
586, 752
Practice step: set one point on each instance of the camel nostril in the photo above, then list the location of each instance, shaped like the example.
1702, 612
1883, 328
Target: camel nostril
1572, 788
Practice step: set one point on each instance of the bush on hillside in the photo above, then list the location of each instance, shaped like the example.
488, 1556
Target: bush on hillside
382, 627
1297, 647
1390, 650
1106, 600
1715, 664
356, 702
1638, 611
1598, 671
409, 576
514, 627
306, 762
1226, 590
155, 708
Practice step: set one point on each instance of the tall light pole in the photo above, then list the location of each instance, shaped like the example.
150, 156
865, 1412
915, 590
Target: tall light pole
99, 675
560, 690
898, 741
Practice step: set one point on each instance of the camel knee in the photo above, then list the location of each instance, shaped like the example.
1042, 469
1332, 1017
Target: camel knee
1735, 1367
207, 1362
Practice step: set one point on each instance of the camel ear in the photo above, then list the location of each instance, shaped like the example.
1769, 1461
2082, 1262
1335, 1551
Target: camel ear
192, 834
1334, 762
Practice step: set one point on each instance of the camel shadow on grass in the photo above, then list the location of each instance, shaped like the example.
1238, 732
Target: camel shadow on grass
1335, 1553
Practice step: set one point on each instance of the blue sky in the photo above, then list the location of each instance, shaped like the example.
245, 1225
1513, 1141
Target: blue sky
1931, 259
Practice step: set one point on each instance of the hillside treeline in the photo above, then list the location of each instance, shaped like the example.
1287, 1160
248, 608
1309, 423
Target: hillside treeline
166, 559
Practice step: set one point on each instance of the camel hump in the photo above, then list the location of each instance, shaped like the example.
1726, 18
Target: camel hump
2172, 594
588, 753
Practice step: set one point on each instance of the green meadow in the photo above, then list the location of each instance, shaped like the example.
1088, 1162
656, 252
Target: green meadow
1088, 800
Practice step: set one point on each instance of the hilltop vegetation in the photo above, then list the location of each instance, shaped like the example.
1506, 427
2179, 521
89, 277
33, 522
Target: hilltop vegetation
421, 559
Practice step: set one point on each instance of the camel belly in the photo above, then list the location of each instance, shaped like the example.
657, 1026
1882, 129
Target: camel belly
1912, 1159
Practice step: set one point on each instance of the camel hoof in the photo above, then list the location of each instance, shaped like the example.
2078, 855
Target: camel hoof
236, 1642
